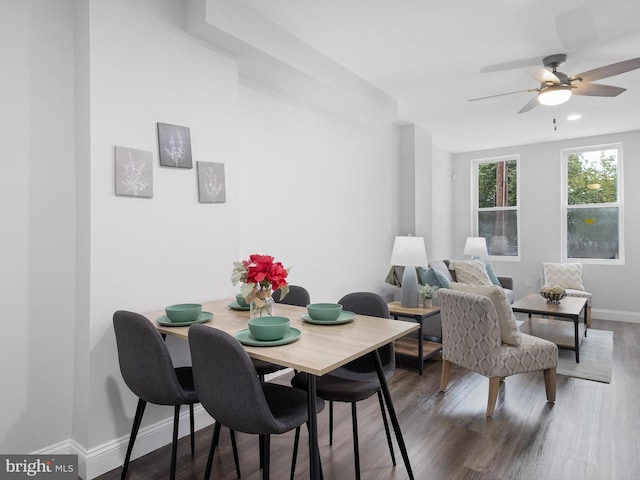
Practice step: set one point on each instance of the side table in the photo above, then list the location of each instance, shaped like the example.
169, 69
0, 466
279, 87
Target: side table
412, 347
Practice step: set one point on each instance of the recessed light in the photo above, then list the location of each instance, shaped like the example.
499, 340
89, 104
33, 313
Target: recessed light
575, 116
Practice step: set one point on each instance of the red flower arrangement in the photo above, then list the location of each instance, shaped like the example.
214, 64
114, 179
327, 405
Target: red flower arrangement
260, 273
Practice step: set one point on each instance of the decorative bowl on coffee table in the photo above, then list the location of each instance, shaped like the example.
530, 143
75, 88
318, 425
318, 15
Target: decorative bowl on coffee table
553, 297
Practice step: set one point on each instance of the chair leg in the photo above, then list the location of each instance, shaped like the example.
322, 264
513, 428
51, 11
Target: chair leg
192, 425
137, 420
550, 383
212, 450
386, 427
444, 379
296, 442
356, 449
266, 439
261, 450
330, 423
494, 388
174, 446
234, 447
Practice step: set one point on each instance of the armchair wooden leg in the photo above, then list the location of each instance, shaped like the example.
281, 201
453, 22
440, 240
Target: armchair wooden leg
588, 316
550, 383
444, 380
494, 387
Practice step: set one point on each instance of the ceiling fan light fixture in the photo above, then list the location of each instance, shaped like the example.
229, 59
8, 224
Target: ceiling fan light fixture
554, 95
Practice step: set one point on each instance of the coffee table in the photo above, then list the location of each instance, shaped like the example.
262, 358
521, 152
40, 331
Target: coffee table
556, 329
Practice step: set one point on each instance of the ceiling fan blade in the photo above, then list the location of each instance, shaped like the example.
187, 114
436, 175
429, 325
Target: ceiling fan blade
530, 105
513, 65
542, 75
597, 90
607, 70
503, 94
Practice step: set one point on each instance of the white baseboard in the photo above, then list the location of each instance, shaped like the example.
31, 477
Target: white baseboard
104, 458
110, 455
66, 447
615, 315
62, 448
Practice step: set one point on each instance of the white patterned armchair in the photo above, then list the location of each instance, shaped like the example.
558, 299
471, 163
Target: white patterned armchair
569, 277
471, 338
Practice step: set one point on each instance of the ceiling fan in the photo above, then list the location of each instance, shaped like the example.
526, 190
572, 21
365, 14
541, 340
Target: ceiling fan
557, 87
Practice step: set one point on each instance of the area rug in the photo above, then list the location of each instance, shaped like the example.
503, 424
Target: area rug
596, 352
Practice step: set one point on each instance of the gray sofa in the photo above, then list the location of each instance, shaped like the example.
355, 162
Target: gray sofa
444, 267
432, 328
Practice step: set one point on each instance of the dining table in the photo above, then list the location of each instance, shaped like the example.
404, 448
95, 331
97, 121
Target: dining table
317, 350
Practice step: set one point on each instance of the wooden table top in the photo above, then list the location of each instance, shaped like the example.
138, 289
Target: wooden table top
320, 348
398, 309
536, 303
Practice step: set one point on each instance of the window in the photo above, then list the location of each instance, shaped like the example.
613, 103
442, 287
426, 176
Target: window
495, 204
592, 199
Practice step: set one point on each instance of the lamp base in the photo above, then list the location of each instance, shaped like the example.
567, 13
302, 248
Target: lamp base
409, 288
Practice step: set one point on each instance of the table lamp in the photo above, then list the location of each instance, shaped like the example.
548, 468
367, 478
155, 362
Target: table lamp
476, 247
409, 252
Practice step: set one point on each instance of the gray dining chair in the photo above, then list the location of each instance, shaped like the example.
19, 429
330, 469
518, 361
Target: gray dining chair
148, 371
297, 295
233, 395
357, 380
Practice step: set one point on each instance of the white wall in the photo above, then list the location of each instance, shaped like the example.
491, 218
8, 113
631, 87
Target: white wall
423, 187
148, 253
540, 185
38, 233
315, 192
424, 191
86, 76
406, 192
441, 204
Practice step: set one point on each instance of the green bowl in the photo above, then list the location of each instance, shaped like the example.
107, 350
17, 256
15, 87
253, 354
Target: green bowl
326, 312
268, 328
241, 301
183, 312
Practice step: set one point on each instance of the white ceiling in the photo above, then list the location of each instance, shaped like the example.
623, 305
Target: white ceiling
428, 56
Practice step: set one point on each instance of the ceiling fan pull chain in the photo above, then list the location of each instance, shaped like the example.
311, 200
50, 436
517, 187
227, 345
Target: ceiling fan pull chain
555, 124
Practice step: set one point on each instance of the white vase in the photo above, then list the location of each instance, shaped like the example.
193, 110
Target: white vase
427, 302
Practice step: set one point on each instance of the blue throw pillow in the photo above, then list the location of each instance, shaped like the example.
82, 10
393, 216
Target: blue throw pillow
433, 277
492, 274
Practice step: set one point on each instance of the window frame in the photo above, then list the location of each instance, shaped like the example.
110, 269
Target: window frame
475, 208
564, 198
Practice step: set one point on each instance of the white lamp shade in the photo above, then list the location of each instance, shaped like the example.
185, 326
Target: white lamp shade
409, 252
476, 246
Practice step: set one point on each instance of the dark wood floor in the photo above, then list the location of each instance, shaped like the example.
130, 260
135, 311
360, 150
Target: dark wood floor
592, 431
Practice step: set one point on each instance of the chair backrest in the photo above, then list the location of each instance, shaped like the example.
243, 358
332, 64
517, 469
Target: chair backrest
297, 296
145, 362
226, 382
373, 305
470, 330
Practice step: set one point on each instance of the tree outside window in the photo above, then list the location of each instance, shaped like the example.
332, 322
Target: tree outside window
496, 204
592, 225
